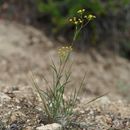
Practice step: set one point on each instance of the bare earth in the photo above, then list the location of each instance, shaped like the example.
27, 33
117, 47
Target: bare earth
24, 49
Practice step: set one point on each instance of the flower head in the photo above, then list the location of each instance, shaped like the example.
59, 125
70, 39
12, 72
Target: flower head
91, 17
64, 52
81, 19
81, 11
74, 20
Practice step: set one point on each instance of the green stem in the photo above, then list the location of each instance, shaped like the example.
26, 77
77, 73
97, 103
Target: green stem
77, 31
75, 34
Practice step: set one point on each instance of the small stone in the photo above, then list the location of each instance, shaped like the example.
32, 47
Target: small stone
14, 127
53, 126
29, 128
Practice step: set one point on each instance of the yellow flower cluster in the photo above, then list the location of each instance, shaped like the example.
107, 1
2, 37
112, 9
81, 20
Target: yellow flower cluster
64, 51
75, 20
81, 11
91, 17
82, 17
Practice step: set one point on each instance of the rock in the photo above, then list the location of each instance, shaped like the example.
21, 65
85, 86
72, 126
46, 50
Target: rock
4, 98
53, 126
28, 128
14, 127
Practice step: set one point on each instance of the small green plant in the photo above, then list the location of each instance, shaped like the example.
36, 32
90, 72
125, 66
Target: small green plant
56, 107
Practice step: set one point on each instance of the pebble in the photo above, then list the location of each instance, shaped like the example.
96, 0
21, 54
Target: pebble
53, 126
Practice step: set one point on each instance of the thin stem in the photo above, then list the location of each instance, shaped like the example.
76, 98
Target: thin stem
75, 34
77, 31
43, 99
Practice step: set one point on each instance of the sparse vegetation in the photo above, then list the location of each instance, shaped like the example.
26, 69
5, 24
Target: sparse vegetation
56, 107
56, 100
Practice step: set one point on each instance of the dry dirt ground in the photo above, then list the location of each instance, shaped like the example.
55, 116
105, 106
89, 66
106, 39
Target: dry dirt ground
24, 49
